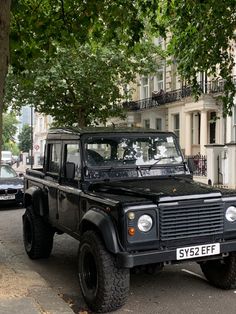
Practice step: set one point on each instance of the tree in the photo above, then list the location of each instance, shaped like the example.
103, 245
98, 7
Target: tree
80, 86
9, 130
202, 31
4, 53
203, 40
25, 138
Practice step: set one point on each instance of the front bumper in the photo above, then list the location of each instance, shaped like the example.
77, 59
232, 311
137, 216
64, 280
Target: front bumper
129, 260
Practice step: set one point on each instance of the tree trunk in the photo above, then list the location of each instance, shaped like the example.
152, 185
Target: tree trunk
4, 53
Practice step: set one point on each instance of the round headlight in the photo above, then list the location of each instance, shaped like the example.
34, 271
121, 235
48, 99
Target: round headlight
145, 223
230, 214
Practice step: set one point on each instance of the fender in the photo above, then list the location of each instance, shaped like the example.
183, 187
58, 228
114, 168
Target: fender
103, 222
34, 196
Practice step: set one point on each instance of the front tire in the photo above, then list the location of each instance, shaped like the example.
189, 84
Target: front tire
221, 273
37, 235
105, 287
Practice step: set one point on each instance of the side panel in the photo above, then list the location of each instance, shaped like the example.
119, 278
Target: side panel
68, 207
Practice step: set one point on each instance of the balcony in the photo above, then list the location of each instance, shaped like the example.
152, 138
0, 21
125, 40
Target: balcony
162, 98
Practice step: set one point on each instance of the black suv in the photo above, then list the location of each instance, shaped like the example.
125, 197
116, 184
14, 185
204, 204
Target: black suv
129, 198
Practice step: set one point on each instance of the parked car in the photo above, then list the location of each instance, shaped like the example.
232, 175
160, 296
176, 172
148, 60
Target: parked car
6, 157
11, 186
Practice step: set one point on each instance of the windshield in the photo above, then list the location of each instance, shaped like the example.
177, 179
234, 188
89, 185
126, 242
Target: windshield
132, 152
7, 172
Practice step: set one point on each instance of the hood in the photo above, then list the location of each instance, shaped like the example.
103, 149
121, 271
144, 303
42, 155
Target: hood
155, 188
11, 183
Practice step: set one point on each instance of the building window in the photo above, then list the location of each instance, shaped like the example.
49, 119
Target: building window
159, 124
146, 124
144, 88
40, 124
212, 127
176, 124
159, 79
234, 124
126, 91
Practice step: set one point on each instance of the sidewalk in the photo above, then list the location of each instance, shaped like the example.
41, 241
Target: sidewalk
25, 291
21, 168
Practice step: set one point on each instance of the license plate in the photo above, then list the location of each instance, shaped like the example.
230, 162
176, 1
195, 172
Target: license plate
7, 197
198, 251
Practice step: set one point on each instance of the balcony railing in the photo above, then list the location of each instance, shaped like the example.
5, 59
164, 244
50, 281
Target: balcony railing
161, 98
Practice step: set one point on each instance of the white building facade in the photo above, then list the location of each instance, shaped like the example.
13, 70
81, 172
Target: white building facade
42, 124
164, 103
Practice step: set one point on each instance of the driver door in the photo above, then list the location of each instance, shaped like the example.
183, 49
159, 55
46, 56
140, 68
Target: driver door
69, 190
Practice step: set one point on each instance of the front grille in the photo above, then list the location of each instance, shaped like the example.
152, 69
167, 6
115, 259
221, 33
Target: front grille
195, 220
8, 191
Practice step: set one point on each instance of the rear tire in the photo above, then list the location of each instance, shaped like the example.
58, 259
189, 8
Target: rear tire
105, 287
221, 273
37, 235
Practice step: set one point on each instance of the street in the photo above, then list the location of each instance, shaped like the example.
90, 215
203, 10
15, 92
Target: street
177, 289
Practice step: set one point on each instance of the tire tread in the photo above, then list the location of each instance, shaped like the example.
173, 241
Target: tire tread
114, 281
42, 236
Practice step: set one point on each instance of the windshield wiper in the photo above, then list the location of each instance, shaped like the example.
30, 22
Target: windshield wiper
161, 158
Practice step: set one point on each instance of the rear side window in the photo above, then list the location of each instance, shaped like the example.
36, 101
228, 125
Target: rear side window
54, 158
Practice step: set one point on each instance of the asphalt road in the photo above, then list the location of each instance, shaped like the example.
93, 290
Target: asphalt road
176, 290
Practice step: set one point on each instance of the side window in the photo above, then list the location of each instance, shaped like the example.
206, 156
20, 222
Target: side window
72, 155
54, 158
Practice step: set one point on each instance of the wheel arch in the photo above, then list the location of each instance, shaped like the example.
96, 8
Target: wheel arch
97, 220
34, 196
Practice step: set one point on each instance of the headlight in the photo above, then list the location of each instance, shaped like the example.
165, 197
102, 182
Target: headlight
230, 214
145, 223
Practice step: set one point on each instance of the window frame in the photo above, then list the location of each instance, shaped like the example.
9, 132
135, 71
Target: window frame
176, 130
48, 154
64, 160
158, 119
145, 88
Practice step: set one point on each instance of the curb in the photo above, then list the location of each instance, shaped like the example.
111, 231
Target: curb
25, 291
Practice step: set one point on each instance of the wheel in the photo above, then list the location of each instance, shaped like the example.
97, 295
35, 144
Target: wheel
38, 236
105, 287
221, 273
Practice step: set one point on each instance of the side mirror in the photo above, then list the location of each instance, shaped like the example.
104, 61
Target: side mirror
21, 174
70, 170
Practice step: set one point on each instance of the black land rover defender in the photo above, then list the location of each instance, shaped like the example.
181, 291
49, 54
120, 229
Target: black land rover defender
129, 198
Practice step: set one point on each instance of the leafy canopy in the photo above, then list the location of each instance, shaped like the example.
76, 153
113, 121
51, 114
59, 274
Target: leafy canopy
74, 57
203, 40
10, 123
79, 86
201, 32
25, 138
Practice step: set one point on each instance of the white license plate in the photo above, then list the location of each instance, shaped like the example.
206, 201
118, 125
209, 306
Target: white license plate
7, 197
198, 251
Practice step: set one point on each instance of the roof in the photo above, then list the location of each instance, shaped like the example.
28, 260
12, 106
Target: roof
97, 130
